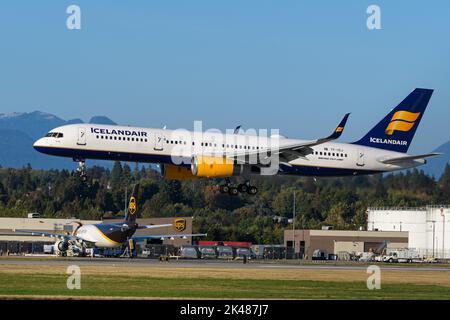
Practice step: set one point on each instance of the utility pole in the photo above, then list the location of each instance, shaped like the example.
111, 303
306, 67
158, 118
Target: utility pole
434, 239
443, 232
293, 226
434, 225
126, 196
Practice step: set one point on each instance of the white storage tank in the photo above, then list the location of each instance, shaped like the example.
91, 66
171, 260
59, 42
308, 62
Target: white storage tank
428, 227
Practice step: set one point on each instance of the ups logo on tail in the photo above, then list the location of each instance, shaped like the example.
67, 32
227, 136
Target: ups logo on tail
132, 205
179, 224
401, 121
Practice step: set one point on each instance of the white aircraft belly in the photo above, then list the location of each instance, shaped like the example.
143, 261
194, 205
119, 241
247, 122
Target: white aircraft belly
94, 235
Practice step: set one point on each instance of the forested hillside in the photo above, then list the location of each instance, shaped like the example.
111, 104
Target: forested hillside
340, 202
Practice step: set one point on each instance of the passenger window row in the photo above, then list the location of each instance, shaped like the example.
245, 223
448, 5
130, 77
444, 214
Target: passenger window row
121, 138
210, 144
228, 146
333, 154
175, 142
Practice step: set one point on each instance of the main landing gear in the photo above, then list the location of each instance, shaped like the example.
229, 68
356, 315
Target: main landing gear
81, 170
234, 190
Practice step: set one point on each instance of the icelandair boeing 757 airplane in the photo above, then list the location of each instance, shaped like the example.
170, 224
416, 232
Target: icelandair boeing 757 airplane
186, 154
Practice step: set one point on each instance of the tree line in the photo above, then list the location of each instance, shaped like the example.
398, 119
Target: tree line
339, 202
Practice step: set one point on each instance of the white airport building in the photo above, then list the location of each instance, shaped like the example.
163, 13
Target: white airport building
428, 227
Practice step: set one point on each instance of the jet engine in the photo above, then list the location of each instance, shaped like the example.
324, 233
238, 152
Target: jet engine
172, 172
214, 167
62, 246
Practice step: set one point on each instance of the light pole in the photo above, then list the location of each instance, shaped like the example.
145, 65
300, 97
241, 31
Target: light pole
125, 202
293, 226
434, 224
443, 232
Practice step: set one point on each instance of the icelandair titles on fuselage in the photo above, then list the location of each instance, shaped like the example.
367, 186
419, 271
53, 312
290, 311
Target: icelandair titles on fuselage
119, 132
388, 141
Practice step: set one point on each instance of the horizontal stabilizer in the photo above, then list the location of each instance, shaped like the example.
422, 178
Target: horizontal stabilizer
409, 158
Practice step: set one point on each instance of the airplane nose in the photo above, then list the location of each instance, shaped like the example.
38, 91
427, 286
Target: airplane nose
38, 144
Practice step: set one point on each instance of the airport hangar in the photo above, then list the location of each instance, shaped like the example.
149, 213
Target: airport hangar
16, 242
337, 242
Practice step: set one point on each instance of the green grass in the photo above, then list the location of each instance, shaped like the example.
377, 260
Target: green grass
136, 286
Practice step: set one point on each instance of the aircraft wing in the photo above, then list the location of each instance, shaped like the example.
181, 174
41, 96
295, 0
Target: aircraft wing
154, 226
167, 236
409, 158
289, 152
47, 234
151, 226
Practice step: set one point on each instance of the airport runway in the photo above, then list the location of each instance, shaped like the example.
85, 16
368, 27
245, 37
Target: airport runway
123, 262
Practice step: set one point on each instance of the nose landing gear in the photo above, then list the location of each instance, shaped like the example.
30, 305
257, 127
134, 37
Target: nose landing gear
81, 170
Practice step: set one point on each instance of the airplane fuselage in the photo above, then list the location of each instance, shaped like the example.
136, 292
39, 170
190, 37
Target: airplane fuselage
105, 235
177, 147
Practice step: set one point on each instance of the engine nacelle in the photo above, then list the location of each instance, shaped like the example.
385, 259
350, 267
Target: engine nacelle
214, 167
62, 246
172, 172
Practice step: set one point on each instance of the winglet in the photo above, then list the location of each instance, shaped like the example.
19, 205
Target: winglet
339, 129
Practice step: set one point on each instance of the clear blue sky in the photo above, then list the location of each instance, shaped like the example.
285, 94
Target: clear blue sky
294, 65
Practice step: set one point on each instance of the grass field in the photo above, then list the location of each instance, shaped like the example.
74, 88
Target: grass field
222, 283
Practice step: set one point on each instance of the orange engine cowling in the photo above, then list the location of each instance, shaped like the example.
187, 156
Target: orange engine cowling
172, 172
214, 167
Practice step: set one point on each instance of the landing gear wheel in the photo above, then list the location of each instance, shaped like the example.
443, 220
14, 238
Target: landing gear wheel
224, 189
233, 191
252, 190
243, 188
81, 170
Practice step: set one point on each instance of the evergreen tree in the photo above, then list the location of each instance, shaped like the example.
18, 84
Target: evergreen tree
3, 194
444, 185
341, 202
126, 178
116, 175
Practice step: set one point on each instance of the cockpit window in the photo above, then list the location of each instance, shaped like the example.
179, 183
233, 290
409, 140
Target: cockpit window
54, 135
